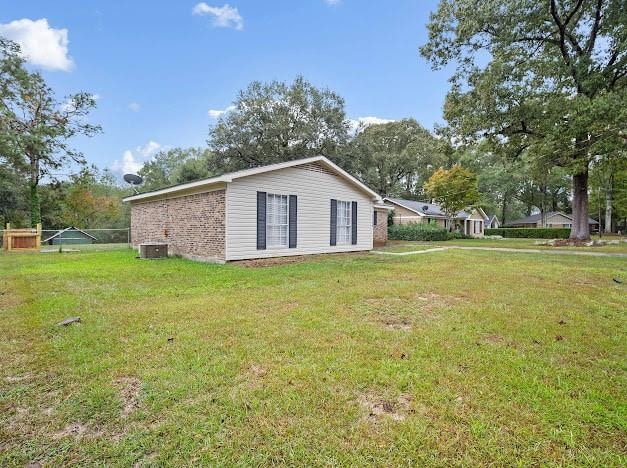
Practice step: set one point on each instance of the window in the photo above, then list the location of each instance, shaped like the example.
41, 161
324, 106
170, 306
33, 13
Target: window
343, 222
276, 220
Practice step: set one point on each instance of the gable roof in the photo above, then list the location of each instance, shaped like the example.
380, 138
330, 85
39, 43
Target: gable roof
432, 210
71, 228
534, 218
231, 176
490, 219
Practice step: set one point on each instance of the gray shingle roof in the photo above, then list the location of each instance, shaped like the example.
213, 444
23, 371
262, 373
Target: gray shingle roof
427, 209
534, 218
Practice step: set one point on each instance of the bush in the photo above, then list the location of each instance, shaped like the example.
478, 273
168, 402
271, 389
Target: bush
421, 232
530, 233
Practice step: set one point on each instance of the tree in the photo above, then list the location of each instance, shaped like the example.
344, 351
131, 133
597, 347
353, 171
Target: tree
178, 165
276, 122
391, 157
86, 206
499, 180
543, 78
34, 126
453, 189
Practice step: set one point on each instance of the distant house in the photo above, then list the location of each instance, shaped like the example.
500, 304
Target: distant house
69, 235
306, 206
470, 223
492, 222
553, 219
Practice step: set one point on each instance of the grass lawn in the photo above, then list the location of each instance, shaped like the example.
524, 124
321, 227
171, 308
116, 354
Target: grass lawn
408, 246
459, 357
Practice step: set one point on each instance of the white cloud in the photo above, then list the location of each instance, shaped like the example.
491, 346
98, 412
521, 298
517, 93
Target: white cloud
128, 165
223, 17
332, 2
41, 45
358, 124
132, 162
148, 149
215, 114
135, 107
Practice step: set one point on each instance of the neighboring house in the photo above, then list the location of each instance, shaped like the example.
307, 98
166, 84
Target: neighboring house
470, 223
69, 235
553, 219
307, 206
492, 222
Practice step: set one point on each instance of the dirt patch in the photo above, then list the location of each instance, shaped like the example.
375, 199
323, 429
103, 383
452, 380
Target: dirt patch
492, 339
76, 430
396, 313
396, 323
431, 301
18, 378
130, 391
379, 408
257, 371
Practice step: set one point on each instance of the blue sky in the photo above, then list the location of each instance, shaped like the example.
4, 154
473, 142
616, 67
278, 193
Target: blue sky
158, 68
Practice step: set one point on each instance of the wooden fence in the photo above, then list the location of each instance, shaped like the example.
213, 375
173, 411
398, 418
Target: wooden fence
28, 239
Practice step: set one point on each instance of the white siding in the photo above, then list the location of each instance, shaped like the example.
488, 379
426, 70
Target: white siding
314, 189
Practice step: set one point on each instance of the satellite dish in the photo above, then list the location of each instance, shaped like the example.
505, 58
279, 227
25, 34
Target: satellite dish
425, 208
133, 180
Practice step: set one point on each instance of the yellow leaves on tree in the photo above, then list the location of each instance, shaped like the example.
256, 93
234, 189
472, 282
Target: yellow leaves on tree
453, 189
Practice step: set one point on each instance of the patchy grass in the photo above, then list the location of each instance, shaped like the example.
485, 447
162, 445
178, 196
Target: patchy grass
461, 357
410, 246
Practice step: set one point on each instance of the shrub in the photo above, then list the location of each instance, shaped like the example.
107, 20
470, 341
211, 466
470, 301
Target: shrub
421, 232
530, 233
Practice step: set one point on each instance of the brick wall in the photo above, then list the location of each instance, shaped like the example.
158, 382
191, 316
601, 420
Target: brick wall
380, 230
193, 226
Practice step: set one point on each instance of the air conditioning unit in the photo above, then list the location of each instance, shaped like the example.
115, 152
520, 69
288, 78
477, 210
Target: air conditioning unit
151, 251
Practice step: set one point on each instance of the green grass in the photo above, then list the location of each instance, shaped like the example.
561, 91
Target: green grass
454, 358
408, 246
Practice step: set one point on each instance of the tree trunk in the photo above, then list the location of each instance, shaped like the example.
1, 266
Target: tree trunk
608, 206
503, 209
35, 204
580, 229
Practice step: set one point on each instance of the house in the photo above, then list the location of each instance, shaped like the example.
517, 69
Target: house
70, 235
553, 219
470, 223
492, 222
306, 206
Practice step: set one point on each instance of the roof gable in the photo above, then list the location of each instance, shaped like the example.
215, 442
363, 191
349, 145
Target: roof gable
229, 177
71, 228
432, 210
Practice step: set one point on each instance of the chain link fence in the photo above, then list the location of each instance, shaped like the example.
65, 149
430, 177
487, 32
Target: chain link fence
74, 239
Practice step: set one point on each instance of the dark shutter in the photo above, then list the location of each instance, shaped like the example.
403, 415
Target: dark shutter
374, 219
333, 222
354, 222
292, 221
261, 220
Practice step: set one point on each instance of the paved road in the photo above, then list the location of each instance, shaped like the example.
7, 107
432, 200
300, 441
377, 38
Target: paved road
505, 249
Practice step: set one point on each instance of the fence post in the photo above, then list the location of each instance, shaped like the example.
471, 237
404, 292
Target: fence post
7, 234
128, 237
38, 239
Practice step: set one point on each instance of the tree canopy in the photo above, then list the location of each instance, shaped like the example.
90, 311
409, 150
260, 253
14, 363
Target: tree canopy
35, 127
275, 122
453, 189
395, 158
546, 79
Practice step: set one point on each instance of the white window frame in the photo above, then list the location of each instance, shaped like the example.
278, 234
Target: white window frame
277, 230
344, 227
